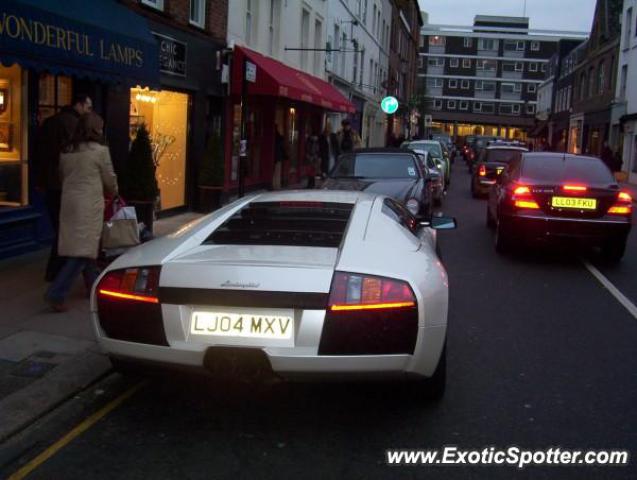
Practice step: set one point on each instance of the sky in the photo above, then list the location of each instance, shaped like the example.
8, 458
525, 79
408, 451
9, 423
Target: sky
543, 14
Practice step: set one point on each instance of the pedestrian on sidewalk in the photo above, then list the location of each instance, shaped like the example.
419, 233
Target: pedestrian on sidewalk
56, 133
348, 139
312, 158
329, 151
280, 157
607, 156
87, 175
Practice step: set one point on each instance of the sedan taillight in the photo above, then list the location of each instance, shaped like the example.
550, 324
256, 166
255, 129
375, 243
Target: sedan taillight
482, 171
522, 198
623, 205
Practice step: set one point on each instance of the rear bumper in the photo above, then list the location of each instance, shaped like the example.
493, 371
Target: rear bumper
533, 227
296, 362
483, 185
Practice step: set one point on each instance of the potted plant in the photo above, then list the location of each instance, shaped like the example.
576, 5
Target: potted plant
138, 183
211, 175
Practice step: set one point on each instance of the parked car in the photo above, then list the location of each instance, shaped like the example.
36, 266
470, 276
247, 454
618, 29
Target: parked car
397, 173
437, 176
490, 164
434, 147
479, 142
312, 283
546, 196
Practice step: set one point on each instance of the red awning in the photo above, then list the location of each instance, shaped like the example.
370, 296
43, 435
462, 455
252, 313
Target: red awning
274, 78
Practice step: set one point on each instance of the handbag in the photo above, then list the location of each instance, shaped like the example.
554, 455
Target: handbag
120, 230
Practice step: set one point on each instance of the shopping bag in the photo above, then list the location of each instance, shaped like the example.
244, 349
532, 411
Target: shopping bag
125, 213
120, 233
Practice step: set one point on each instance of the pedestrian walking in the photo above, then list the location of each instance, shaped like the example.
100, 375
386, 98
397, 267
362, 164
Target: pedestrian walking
329, 149
55, 133
348, 139
312, 159
87, 175
280, 156
607, 156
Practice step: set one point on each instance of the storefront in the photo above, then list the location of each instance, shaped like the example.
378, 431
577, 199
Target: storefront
285, 108
182, 115
50, 51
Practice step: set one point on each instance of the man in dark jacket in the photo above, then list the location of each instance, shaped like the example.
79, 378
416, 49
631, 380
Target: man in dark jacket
54, 135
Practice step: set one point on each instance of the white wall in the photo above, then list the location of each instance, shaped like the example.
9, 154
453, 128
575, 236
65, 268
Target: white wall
286, 22
372, 62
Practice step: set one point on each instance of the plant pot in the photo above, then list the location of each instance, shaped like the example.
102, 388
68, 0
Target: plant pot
145, 211
209, 198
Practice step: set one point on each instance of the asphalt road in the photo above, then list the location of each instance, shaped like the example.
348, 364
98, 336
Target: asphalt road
540, 355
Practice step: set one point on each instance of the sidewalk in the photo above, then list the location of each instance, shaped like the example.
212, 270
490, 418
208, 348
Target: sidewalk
46, 357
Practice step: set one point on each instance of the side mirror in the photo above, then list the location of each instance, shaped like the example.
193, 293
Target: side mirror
440, 223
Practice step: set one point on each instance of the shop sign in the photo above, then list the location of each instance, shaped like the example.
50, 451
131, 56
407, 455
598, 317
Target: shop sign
251, 72
389, 105
172, 55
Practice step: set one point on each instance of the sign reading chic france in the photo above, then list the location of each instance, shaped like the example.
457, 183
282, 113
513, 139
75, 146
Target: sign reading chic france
45, 33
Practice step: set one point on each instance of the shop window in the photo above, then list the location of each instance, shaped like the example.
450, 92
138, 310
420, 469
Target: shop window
165, 114
54, 92
13, 167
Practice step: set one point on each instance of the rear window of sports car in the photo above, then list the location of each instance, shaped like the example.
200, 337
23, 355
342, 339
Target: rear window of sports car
306, 224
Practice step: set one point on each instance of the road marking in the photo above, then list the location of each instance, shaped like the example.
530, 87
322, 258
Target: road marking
74, 433
614, 291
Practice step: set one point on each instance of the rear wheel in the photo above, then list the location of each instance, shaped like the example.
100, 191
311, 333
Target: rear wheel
502, 239
490, 221
613, 249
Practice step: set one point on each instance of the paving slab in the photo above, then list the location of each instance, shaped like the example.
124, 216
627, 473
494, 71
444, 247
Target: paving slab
23, 344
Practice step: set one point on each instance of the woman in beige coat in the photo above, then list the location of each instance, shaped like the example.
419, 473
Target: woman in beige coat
87, 175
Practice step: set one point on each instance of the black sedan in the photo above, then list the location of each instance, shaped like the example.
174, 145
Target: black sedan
555, 196
490, 164
397, 173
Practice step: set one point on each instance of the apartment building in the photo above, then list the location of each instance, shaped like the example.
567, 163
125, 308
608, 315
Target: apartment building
483, 79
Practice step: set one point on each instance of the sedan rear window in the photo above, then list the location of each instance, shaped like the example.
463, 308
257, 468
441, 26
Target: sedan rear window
558, 168
374, 165
502, 156
293, 223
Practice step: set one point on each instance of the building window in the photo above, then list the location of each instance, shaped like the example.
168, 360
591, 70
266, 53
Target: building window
507, 87
535, 46
454, 62
543, 67
158, 4
453, 84
468, 42
465, 84
512, 66
479, 85
421, 62
623, 80
451, 105
13, 121
628, 25
305, 37
436, 62
318, 43
531, 88
249, 21
436, 41
487, 44
482, 107
365, 12
510, 109
591, 82
601, 78
198, 13
466, 63
530, 109
273, 28
532, 67
434, 82
374, 20
513, 45
487, 65
464, 105
437, 104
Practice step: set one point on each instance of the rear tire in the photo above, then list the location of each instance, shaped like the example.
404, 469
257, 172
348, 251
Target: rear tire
490, 221
613, 249
502, 239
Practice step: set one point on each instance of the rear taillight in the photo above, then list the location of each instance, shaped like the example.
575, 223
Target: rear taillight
522, 198
352, 291
128, 305
369, 315
482, 171
623, 205
131, 284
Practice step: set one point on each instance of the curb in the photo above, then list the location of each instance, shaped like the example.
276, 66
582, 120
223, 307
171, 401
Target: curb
25, 406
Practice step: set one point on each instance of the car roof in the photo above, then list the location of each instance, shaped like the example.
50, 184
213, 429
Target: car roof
507, 147
336, 196
383, 150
